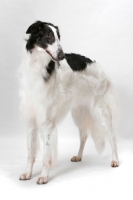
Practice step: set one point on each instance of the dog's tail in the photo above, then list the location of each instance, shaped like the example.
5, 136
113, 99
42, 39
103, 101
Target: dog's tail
104, 117
98, 137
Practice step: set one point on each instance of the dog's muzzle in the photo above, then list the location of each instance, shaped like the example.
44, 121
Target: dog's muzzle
61, 55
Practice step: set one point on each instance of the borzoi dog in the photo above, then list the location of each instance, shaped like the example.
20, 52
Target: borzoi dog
51, 84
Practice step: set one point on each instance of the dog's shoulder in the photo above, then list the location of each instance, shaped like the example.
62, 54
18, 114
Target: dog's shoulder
77, 62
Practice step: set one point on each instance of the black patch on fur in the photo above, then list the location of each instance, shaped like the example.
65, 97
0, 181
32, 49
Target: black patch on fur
51, 67
31, 43
77, 62
41, 35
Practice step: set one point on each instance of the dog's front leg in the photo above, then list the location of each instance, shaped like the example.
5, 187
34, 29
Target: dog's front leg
32, 144
49, 135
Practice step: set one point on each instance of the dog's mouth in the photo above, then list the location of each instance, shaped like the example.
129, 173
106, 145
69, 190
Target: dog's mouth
54, 59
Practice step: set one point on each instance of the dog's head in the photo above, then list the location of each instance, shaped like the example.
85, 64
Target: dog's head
47, 37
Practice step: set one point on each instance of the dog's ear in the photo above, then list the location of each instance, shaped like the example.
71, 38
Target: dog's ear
34, 27
58, 32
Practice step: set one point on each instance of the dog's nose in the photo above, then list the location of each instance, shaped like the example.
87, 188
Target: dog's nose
61, 55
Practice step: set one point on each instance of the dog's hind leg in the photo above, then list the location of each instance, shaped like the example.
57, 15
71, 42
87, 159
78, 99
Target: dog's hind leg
83, 137
81, 119
102, 125
32, 144
115, 161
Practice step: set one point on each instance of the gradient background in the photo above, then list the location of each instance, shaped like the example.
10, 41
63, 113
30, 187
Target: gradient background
101, 30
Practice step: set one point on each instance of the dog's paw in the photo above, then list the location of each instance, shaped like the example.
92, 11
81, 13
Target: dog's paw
42, 180
115, 163
25, 176
75, 159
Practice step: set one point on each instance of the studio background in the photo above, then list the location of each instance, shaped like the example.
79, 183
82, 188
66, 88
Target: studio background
101, 30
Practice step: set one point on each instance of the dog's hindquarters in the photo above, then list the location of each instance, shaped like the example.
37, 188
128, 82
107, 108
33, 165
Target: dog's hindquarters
99, 119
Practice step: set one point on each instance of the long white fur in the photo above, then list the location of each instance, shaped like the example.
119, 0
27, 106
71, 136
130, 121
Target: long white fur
89, 94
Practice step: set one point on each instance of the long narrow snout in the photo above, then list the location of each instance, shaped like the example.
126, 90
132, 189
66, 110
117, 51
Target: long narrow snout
61, 55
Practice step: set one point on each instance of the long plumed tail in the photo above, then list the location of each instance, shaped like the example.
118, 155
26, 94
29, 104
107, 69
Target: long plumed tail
98, 137
105, 115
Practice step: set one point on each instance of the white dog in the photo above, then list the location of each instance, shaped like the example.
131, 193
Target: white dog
52, 84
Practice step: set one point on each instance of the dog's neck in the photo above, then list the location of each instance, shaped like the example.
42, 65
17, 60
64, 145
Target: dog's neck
40, 55
42, 62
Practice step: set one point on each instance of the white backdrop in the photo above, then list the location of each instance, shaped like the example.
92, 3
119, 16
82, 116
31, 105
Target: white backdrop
99, 29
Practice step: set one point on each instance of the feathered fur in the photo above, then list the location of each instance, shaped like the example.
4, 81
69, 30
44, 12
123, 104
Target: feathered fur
46, 98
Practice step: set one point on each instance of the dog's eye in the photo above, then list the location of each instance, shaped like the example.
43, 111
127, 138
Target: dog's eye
48, 35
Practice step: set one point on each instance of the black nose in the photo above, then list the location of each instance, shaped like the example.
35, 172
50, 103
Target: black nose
61, 55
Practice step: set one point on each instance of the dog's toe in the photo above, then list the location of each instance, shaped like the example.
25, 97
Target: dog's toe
75, 159
115, 163
25, 177
42, 180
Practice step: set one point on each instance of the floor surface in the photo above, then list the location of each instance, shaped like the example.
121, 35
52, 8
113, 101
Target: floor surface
92, 179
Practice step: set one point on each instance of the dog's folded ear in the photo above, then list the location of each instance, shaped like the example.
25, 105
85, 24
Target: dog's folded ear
34, 27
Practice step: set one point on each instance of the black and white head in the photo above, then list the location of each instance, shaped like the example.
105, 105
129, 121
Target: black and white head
47, 37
